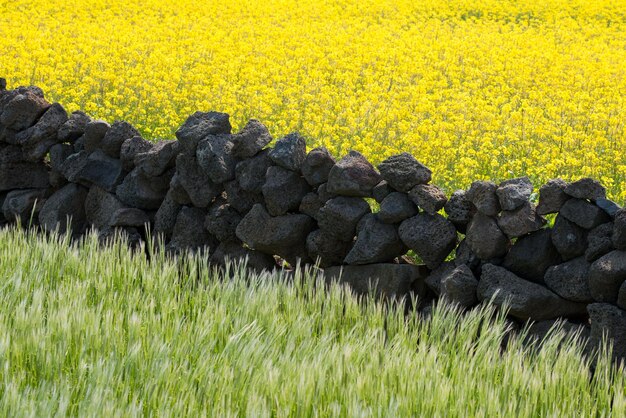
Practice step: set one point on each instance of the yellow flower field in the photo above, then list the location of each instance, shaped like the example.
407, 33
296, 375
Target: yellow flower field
484, 89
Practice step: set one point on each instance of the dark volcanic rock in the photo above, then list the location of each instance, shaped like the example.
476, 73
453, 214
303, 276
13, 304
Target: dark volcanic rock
222, 221
129, 217
432, 237
23, 175
200, 125
284, 236
94, 134
569, 239
251, 139
387, 280
189, 232
23, 204
434, 278
114, 138
621, 296
65, 210
376, 242
428, 197
311, 205
464, 255
526, 300
143, 192
250, 173
178, 192
608, 322
381, 191
520, 221
199, 187
531, 256
403, 172
129, 150
158, 159
234, 251
37, 140
353, 175
460, 286
58, 155
214, 156
396, 207
599, 241
584, 214
586, 188
459, 209
606, 275
317, 165
552, 196
283, 190
570, 280
514, 193
23, 110
99, 170
325, 249
289, 152
482, 194
611, 208
100, 207
618, 236
74, 127
239, 199
339, 217
165, 217
485, 238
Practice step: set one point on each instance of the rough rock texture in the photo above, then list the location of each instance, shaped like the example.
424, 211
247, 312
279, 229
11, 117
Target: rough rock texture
130, 148
606, 275
586, 188
569, 239
403, 172
531, 256
526, 300
608, 321
435, 277
241, 200
234, 251
74, 127
387, 280
250, 173
289, 152
65, 210
621, 296
23, 110
482, 194
283, 190
317, 165
100, 207
159, 158
94, 133
353, 175
119, 132
311, 205
165, 217
376, 242
459, 210
250, 140
599, 241
381, 191
200, 125
143, 192
608, 206
584, 214
396, 207
432, 237
520, 221
326, 250
618, 236
129, 217
428, 197
552, 196
514, 193
459, 286
570, 280
215, 158
339, 217
98, 169
199, 187
37, 140
485, 238
189, 232
23, 205
222, 220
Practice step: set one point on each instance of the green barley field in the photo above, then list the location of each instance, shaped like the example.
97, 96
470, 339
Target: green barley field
92, 331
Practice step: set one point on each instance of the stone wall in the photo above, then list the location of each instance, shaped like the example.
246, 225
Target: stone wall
231, 195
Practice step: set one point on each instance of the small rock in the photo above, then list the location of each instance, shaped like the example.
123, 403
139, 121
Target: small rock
570, 280
323, 192
514, 193
178, 192
432, 237
199, 126
24, 205
158, 159
459, 210
214, 156
239, 199
376, 242
74, 127
119, 132
485, 238
460, 286
569, 239
483, 195
552, 196
403, 172
129, 217
381, 191
98, 169
618, 237
23, 110
520, 221
428, 197
222, 221
250, 140
199, 187
326, 250
608, 322
283, 190
525, 300
353, 175
165, 217
586, 188
250, 173
143, 192
100, 207
317, 165
289, 152
58, 155
606, 275
531, 256
584, 214
311, 205
608, 206
94, 134
464, 255
65, 210
129, 150
339, 217
599, 241
435, 277
37, 140
396, 207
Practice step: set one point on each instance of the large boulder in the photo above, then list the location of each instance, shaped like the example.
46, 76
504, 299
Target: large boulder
284, 236
317, 165
606, 275
552, 196
353, 175
250, 140
37, 140
199, 126
482, 194
114, 138
396, 207
485, 238
339, 217
584, 214
65, 210
215, 157
403, 172
326, 250
608, 323
514, 193
432, 237
569, 239
387, 280
98, 169
376, 242
429, 197
250, 173
143, 192
586, 188
525, 300
283, 190
570, 280
289, 152
531, 256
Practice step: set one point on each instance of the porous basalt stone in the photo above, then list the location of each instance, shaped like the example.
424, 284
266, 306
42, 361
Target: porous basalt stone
482, 194
165, 217
376, 242
531, 256
354, 176
569, 239
584, 214
618, 235
74, 127
95, 131
129, 217
112, 141
459, 286
199, 187
552, 196
24, 205
459, 209
100, 207
381, 191
23, 110
403, 172
599, 241
520, 221
250, 173
606, 275
143, 192
250, 140
189, 232
311, 205
234, 251
432, 237
129, 150
283, 190
608, 322
65, 210
570, 280
37, 140
586, 188
241, 200
97, 169
215, 157
396, 207
514, 193
159, 158
289, 152
485, 238
317, 165
326, 250
199, 126
428, 197
339, 217
222, 220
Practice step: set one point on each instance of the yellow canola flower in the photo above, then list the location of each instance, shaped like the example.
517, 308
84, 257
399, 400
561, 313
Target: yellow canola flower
488, 89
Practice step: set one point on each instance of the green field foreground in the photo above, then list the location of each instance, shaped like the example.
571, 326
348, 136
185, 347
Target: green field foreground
92, 331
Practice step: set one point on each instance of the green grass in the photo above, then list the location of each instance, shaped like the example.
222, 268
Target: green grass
102, 332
